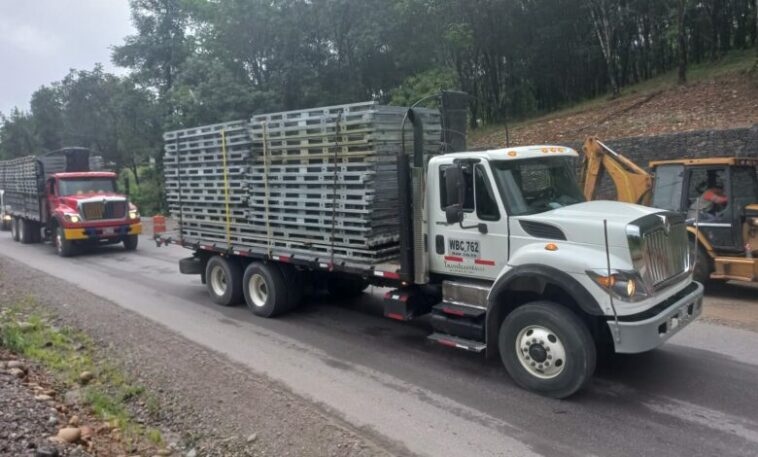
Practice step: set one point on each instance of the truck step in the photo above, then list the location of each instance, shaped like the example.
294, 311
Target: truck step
459, 309
458, 343
457, 324
408, 303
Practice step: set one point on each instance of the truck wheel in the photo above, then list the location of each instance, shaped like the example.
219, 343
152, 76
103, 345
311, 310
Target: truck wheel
342, 287
14, 229
25, 231
702, 271
224, 281
295, 281
547, 349
64, 247
265, 290
131, 242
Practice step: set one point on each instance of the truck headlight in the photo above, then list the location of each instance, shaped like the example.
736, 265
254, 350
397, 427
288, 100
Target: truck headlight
624, 285
133, 214
73, 218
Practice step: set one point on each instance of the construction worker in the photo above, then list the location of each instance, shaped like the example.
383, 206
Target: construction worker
712, 200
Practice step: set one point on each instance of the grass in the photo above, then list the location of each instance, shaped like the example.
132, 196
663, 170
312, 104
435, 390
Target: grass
66, 353
734, 62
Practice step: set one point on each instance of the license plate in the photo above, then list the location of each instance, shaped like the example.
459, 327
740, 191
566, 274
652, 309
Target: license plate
109, 231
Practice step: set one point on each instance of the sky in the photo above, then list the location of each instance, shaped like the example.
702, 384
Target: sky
40, 40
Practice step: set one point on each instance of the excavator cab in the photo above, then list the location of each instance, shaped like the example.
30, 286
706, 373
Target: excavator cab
720, 198
718, 195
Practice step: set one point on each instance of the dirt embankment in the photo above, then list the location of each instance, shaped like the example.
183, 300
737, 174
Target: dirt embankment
727, 101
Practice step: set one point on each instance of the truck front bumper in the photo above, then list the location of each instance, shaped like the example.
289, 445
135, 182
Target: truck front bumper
647, 330
95, 233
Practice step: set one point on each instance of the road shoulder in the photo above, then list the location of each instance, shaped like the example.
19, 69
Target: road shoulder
212, 403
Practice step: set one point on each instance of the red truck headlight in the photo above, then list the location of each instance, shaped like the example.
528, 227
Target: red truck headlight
133, 214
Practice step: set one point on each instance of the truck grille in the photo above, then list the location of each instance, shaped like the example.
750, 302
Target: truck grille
662, 248
101, 210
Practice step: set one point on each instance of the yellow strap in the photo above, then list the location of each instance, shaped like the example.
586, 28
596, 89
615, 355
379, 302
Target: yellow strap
226, 190
265, 186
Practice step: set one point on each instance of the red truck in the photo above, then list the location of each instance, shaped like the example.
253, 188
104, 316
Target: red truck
56, 196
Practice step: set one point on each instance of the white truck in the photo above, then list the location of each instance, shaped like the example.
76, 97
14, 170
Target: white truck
503, 255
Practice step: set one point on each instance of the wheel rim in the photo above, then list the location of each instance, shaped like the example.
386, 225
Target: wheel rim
258, 290
218, 281
59, 241
14, 228
540, 352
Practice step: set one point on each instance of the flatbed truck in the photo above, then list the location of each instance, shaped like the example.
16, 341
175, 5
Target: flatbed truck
500, 250
57, 196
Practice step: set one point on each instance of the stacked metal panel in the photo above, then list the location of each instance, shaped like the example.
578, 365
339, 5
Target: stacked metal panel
20, 178
194, 165
318, 183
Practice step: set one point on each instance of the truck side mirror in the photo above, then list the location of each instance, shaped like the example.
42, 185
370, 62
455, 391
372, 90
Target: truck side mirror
454, 214
455, 186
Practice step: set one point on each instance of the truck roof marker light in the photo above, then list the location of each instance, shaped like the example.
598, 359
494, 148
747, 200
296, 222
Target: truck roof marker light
545, 150
512, 153
551, 247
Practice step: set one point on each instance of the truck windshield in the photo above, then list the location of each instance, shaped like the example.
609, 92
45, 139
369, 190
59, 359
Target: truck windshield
537, 185
86, 186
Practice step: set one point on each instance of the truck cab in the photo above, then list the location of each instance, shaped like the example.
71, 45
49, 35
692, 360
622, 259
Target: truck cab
534, 273
85, 208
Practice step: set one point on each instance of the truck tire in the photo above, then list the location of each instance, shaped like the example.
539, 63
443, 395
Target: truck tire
64, 247
14, 229
25, 231
265, 289
546, 348
224, 280
131, 242
342, 287
295, 281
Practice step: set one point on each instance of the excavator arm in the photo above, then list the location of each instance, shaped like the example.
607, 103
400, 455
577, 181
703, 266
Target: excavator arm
633, 184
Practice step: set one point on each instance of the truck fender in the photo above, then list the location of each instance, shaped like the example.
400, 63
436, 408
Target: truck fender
532, 279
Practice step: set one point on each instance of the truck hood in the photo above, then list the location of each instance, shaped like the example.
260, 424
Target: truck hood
583, 222
72, 201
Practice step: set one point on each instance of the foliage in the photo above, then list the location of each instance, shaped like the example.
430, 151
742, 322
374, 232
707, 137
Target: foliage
201, 61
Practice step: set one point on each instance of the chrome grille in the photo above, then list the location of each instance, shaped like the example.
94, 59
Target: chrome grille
665, 254
102, 210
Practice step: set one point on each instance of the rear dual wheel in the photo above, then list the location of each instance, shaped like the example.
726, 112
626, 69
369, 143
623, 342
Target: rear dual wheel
272, 289
14, 229
223, 279
28, 232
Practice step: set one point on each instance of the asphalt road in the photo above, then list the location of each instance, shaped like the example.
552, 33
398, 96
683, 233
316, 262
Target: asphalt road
696, 395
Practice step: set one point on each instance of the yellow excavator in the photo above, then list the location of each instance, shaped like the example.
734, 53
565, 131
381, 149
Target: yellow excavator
718, 195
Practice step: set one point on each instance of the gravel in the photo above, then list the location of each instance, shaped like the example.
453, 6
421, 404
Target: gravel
25, 418
206, 404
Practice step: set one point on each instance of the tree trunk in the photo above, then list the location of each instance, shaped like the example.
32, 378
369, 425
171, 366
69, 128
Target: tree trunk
601, 21
682, 42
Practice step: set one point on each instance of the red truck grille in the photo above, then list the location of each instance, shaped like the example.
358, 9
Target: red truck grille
93, 211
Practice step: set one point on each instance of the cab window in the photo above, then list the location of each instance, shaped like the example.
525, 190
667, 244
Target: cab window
479, 196
468, 178
486, 205
668, 187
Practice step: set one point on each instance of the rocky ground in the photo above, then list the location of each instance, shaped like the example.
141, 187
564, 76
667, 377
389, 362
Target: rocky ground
202, 403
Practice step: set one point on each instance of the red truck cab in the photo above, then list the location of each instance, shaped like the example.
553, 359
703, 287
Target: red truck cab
85, 208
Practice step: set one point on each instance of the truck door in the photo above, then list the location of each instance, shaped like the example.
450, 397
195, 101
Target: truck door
478, 247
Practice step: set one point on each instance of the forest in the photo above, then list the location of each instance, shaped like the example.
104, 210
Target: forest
204, 61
